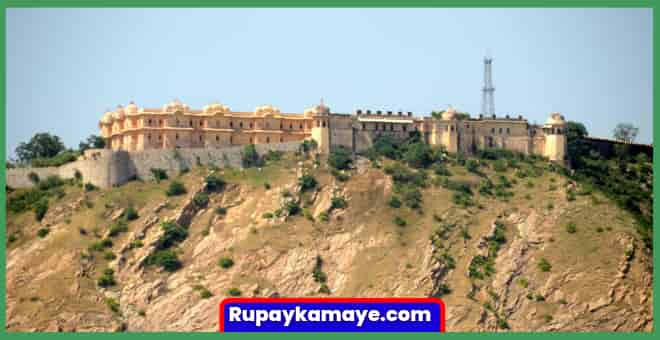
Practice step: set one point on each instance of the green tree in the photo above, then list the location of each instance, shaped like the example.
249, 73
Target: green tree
340, 158
625, 132
41, 145
250, 157
92, 142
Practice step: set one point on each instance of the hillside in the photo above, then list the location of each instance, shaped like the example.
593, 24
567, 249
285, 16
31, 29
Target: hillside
509, 245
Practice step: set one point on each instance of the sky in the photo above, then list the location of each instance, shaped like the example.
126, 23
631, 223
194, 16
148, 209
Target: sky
65, 67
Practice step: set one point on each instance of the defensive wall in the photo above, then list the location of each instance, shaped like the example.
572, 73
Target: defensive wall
107, 168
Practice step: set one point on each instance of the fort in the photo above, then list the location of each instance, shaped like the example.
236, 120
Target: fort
216, 126
175, 137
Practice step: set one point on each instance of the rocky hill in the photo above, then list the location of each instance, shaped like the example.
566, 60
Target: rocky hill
509, 246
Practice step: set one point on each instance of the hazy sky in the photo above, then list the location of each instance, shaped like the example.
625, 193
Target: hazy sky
65, 67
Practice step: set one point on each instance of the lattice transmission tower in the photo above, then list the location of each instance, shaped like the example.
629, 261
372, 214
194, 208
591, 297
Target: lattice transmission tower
488, 91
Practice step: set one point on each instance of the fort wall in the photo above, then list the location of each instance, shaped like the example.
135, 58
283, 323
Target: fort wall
107, 168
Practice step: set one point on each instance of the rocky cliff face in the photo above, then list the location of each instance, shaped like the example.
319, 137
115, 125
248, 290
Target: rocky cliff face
600, 275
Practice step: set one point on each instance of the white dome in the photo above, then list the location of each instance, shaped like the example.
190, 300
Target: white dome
131, 108
555, 119
266, 110
119, 113
449, 114
107, 118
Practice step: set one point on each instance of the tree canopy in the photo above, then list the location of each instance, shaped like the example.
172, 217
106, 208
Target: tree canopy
625, 132
41, 145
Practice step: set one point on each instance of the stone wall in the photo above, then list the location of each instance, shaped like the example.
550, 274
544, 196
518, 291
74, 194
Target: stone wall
106, 168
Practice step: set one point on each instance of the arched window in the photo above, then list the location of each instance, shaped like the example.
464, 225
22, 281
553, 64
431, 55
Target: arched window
217, 138
231, 124
149, 136
250, 125
281, 139
176, 136
190, 122
200, 138
250, 140
241, 124
267, 139
300, 126
404, 128
290, 126
364, 126
149, 121
508, 131
323, 124
492, 130
500, 131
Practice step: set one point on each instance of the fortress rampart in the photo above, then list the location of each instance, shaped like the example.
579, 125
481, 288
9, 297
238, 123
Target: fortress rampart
176, 137
107, 168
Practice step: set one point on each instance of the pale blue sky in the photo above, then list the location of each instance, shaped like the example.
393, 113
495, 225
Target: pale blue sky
65, 67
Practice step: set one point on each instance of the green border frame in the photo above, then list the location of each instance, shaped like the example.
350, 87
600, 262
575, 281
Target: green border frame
323, 3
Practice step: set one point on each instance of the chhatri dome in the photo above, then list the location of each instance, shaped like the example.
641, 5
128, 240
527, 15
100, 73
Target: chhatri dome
131, 108
119, 113
320, 109
556, 118
449, 114
107, 118
266, 110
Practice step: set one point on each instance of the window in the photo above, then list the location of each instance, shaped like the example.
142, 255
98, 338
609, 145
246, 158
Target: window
281, 139
500, 131
149, 136
323, 124
250, 125
190, 122
217, 138
391, 127
149, 121
267, 139
290, 126
300, 126
160, 137
364, 126
508, 131
404, 128
231, 124
200, 138
200, 123
241, 124
176, 136
492, 130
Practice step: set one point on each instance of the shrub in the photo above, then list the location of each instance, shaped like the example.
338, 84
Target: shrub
308, 215
136, 244
441, 170
340, 158
173, 233
272, 155
462, 199
43, 232
571, 228
233, 291
131, 214
90, 187
201, 199
107, 279
317, 272
394, 202
472, 166
205, 293
338, 203
113, 305
308, 145
117, 228
12, 238
165, 258
159, 174
175, 188
418, 155
500, 165
214, 183
51, 182
324, 289
399, 221
221, 211
323, 216
57, 160
570, 195
523, 282
40, 209
340, 176
307, 182
292, 208
250, 158
109, 256
544, 265
267, 215
33, 177
267, 186
225, 262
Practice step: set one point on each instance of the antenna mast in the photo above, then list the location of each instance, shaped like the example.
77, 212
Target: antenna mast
488, 91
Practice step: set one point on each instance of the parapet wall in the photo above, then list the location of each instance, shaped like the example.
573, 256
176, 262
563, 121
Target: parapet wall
106, 168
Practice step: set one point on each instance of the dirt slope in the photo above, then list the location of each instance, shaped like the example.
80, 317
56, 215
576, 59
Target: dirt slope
600, 275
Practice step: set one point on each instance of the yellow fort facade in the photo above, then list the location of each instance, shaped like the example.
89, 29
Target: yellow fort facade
215, 126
